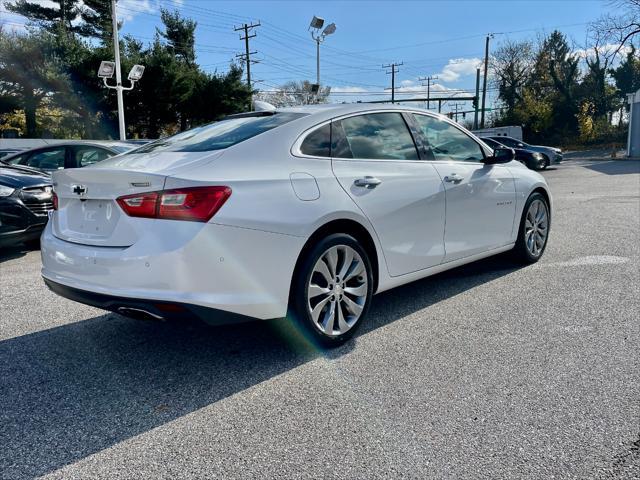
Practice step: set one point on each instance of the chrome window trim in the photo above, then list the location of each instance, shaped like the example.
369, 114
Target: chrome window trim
296, 152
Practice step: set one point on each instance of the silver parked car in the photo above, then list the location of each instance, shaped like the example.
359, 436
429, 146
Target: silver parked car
62, 155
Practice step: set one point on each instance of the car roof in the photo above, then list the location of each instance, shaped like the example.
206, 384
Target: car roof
93, 143
345, 108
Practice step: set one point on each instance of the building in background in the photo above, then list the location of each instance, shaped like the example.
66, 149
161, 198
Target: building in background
633, 140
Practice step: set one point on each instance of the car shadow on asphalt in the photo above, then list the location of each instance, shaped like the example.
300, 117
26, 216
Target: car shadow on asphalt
74, 390
615, 167
13, 252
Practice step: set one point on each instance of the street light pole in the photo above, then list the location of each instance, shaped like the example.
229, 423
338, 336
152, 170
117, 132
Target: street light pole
116, 47
315, 26
318, 61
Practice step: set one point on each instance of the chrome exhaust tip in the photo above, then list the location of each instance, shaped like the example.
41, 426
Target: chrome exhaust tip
138, 313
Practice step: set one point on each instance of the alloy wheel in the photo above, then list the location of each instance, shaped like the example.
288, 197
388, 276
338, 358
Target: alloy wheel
337, 290
536, 227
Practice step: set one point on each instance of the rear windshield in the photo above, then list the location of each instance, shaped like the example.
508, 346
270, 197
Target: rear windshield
219, 135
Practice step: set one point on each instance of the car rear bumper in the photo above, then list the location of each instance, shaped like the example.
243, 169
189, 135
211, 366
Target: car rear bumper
144, 308
235, 270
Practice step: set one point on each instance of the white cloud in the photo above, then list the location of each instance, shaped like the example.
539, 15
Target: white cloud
604, 50
459, 67
354, 90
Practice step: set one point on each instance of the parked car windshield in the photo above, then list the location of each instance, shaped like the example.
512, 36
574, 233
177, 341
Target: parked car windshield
219, 135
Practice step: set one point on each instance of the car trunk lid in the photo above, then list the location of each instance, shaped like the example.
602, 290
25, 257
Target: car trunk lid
87, 209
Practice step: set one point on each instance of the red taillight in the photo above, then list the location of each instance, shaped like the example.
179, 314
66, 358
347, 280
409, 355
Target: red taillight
197, 204
54, 200
140, 205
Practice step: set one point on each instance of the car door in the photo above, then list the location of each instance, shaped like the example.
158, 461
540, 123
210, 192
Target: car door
375, 159
480, 199
83, 155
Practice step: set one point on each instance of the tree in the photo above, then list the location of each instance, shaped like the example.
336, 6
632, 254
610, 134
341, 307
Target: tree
627, 74
180, 35
295, 93
87, 18
619, 29
511, 65
28, 74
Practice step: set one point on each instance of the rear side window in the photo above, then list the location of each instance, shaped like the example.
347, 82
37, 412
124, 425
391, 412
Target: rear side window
87, 155
446, 142
318, 142
19, 160
509, 142
382, 136
219, 135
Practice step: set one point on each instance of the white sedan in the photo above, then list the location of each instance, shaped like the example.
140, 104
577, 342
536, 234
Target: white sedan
304, 211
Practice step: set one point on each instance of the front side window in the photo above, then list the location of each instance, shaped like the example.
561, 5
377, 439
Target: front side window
382, 136
447, 142
52, 159
220, 135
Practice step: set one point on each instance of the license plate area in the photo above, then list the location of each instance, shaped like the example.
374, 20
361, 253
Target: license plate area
92, 218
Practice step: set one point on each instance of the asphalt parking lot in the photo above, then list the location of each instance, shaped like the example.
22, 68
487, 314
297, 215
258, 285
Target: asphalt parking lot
487, 371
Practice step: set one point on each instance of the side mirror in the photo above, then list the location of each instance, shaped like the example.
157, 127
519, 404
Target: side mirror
501, 155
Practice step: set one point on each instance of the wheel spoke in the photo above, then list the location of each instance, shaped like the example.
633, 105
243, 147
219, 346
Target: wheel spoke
315, 313
323, 270
329, 319
359, 291
343, 326
332, 261
317, 290
357, 269
352, 306
346, 262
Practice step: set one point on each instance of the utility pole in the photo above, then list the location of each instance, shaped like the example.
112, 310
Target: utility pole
116, 47
486, 69
247, 53
393, 71
475, 102
428, 85
456, 105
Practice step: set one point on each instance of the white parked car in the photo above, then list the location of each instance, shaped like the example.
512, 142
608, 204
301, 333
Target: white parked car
307, 211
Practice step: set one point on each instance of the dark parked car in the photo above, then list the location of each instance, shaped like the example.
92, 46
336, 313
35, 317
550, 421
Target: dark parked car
533, 160
67, 155
26, 196
5, 152
553, 154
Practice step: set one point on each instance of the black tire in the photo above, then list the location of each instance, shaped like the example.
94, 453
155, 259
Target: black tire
299, 302
546, 162
521, 252
536, 165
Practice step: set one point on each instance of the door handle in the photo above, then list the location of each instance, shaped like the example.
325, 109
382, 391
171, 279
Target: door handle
453, 178
367, 182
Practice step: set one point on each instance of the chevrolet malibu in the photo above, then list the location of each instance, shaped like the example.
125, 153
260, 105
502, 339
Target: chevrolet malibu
305, 212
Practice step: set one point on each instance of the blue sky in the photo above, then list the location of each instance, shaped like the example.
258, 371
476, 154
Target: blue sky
441, 38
